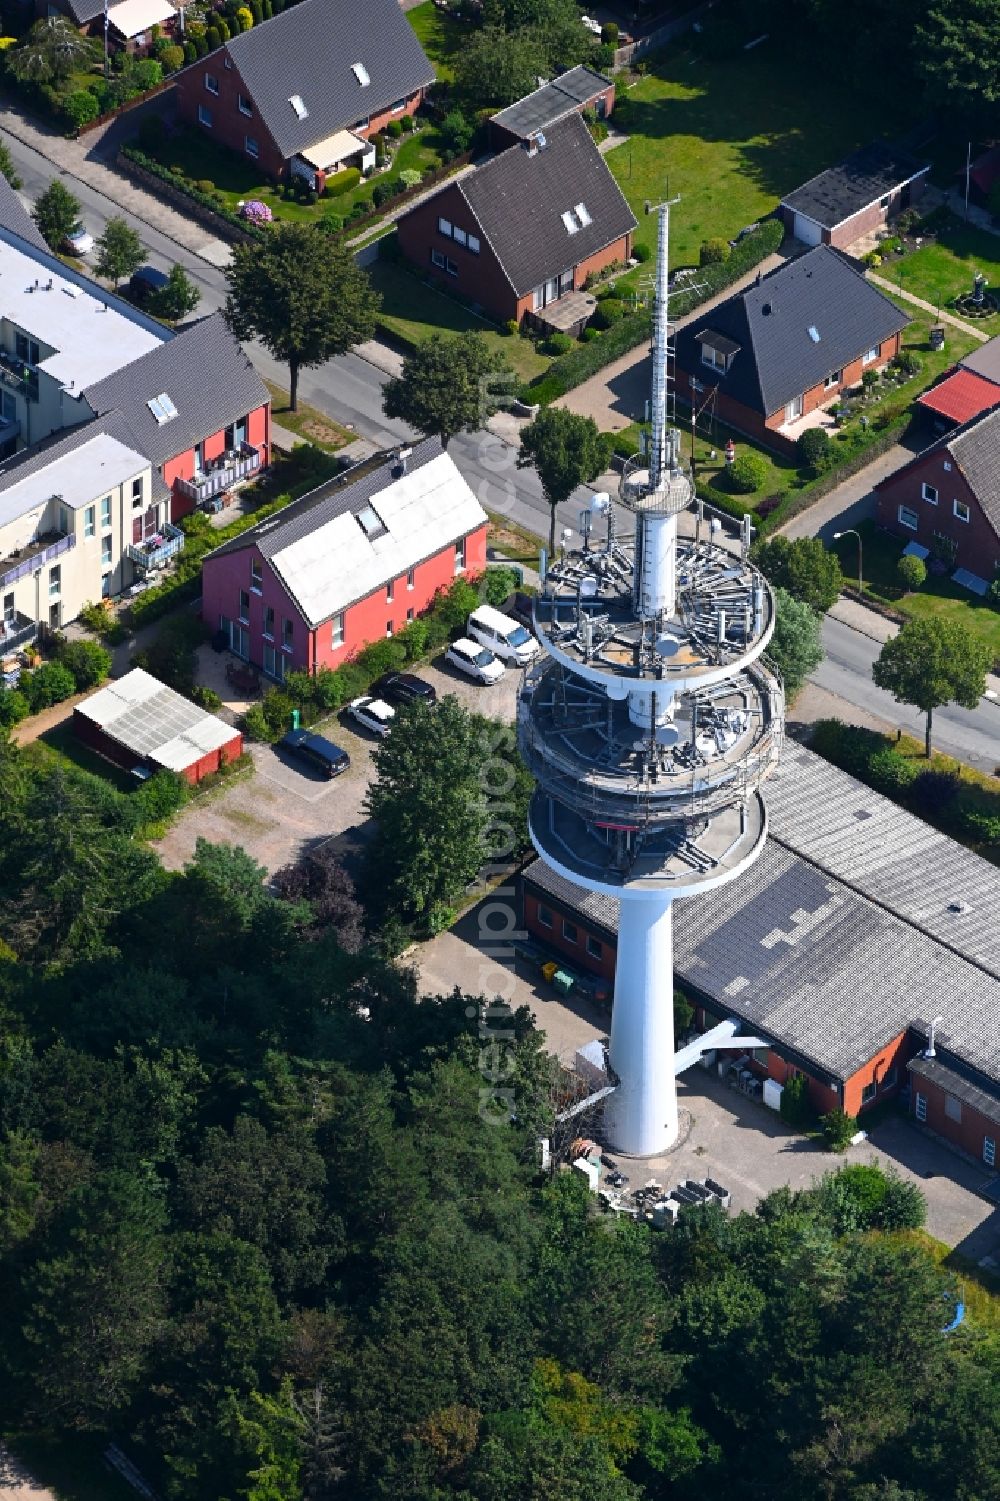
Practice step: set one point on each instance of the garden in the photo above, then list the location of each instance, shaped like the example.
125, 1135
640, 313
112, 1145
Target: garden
934, 596
944, 266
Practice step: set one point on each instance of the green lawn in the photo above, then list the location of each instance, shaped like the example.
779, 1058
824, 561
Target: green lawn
937, 597
440, 35
310, 425
413, 311
943, 270
711, 438
730, 136
235, 177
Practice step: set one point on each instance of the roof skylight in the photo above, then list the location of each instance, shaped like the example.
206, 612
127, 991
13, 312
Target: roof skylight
569, 222
582, 213
361, 74
814, 333
371, 522
162, 408
296, 102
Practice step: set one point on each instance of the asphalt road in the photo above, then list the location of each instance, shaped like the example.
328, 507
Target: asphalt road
349, 389
973, 735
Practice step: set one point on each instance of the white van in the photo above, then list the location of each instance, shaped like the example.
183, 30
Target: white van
506, 638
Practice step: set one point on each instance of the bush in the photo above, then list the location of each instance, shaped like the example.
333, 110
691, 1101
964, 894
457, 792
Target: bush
796, 1108
839, 1128
160, 797
410, 176
88, 662
145, 74
978, 827
609, 310
889, 772
605, 58
908, 362
498, 584
590, 333
931, 793
213, 38
382, 192
14, 707
993, 594
747, 473
407, 124
512, 327
413, 639
813, 448
342, 182
642, 253
47, 685
558, 343
609, 34
394, 130
912, 571
713, 252
206, 698
79, 108
457, 130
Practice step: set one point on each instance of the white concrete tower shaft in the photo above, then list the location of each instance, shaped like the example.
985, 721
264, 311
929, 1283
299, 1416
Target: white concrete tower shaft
641, 1115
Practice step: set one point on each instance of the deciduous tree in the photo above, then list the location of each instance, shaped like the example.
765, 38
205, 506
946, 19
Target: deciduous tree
303, 295
796, 647
566, 450
56, 213
448, 385
933, 662
804, 567
119, 252
176, 298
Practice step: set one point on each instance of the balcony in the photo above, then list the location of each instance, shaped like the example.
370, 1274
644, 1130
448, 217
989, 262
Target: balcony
28, 560
157, 551
18, 376
222, 474
16, 631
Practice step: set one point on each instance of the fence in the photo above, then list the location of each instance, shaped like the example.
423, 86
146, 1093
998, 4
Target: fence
660, 37
221, 226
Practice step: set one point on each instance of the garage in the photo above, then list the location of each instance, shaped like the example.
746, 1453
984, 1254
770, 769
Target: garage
806, 229
143, 726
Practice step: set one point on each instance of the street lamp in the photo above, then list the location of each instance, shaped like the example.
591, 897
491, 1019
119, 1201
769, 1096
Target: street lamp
850, 533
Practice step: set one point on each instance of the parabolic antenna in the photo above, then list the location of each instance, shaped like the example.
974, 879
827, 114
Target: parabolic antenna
668, 646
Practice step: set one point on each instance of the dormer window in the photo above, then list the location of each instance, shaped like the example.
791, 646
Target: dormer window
717, 352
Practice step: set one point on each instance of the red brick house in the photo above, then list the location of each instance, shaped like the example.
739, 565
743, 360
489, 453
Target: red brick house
858, 196
956, 1103
947, 499
350, 563
573, 92
793, 342
303, 93
519, 235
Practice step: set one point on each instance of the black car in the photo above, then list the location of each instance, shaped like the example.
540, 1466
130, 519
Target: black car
404, 688
322, 755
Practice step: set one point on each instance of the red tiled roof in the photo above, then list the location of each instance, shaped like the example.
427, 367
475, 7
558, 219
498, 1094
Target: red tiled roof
961, 396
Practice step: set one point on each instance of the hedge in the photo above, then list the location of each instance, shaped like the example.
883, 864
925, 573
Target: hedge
341, 182
581, 363
182, 185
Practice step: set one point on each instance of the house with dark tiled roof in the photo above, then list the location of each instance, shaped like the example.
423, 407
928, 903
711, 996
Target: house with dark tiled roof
854, 198
519, 236
772, 358
946, 501
350, 563
303, 93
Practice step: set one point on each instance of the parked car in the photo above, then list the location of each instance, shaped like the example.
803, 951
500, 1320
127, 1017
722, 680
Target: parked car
508, 639
315, 751
144, 281
79, 241
374, 713
404, 688
475, 660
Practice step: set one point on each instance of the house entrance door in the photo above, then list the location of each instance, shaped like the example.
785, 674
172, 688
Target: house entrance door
794, 409
551, 290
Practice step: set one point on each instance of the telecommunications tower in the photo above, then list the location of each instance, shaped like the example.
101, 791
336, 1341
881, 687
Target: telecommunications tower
649, 724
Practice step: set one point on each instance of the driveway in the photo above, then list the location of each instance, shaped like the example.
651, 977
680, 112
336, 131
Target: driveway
733, 1139
284, 808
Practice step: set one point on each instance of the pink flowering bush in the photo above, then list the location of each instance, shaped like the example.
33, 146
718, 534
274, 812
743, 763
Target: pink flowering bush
256, 212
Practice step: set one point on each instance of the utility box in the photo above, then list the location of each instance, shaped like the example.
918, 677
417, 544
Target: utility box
665, 1213
589, 1170
772, 1093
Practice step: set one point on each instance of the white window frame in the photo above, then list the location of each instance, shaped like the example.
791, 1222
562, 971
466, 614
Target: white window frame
869, 1092
399, 107
251, 146
459, 235
545, 919
461, 555
337, 629
244, 106
390, 591
89, 522
212, 84
870, 355
244, 615
714, 359
450, 266
833, 379
473, 244
268, 634
903, 513
592, 944
567, 925
411, 579
411, 614
256, 576
990, 1151
437, 259
55, 581
389, 629
928, 493
105, 512
920, 1106
107, 550
205, 116
287, 638
444, 226
958, 507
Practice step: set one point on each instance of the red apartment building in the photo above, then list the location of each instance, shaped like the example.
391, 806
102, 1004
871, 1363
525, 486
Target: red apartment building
302, 93
350, 563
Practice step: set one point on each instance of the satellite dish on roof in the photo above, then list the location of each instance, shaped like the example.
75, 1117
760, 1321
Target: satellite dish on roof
588, 588
600, 503
668, 646
667, 735
616, 690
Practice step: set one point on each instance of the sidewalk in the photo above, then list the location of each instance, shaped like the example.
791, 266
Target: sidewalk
850, 502
928, 307
78, 159
616, 396
877, 628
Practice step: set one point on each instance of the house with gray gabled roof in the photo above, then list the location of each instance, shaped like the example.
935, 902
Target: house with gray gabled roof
303, 93
520, 234
855, 198
573, 92
350, 563
770, 359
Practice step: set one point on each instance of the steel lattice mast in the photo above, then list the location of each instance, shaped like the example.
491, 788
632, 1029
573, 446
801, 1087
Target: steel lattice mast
650, 723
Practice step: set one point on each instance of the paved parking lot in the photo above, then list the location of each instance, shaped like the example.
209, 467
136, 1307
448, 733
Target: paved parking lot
282, 809
735, 1140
